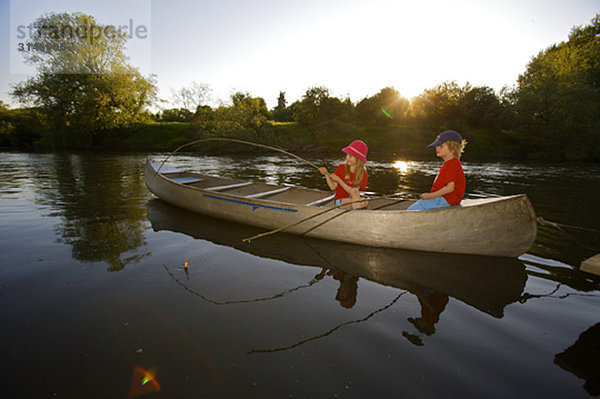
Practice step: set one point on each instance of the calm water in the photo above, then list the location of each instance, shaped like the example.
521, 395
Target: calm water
93, 292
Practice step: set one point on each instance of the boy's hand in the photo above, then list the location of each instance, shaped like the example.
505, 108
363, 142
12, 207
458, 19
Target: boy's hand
426, 196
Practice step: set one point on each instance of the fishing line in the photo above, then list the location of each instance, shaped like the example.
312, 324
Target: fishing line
239, 142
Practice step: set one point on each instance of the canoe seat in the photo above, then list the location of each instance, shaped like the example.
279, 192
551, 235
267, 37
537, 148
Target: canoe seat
187, 180
267, 193
321, 201
219, 188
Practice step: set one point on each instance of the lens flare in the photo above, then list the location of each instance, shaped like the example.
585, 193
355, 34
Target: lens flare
386, 113
142, 382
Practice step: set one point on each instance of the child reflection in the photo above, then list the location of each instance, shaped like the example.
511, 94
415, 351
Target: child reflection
432, 304
348, 289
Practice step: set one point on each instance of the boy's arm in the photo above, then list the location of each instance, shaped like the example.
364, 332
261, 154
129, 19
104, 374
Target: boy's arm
447, 189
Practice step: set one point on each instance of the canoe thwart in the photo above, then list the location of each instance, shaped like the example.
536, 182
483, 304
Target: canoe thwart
187, 180
227, 187
591, 265
267, 193
165, 169
321, 201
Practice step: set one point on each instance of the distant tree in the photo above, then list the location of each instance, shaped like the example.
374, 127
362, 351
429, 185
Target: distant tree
318, 107
306, 111
177, 115
480, 107
384, 108
439, 107
192, 96
281, 102
246, 112
83, 84
204, 113
281, 113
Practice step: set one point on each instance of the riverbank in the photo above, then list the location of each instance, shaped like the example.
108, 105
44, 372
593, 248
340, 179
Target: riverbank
384, 141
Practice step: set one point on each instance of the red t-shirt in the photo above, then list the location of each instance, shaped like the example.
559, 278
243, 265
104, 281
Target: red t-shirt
451, 171
341, 172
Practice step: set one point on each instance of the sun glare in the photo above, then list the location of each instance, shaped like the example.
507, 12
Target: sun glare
401, 166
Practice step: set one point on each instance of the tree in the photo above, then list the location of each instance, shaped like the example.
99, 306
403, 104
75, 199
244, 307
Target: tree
439, 108
384, 108
481, 108
318, 107
83, 84
558, 98
177, 115
281, 113
246, 112
191, 97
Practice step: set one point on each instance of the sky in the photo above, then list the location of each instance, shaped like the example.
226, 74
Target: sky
354, 48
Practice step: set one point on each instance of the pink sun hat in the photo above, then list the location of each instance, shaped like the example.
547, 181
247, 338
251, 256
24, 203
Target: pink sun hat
358, 149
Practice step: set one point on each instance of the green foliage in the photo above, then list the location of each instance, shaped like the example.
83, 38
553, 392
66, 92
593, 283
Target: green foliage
22, 128
177, 115
318, 107
559, 98
84, 84
281, 113
385, 108
439, 108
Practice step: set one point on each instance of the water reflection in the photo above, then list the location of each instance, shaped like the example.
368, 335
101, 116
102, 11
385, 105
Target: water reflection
98, 200
486, 283
583, 359
208, 299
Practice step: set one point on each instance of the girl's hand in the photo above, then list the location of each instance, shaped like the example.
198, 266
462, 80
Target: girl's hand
335, 178
323, 171
426, 196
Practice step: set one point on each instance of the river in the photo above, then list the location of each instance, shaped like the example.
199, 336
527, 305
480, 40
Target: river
96, 301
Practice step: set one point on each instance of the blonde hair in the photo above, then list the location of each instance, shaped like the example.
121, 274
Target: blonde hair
360, 172
456, 147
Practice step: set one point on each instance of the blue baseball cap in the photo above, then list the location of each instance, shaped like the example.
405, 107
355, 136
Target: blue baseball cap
448, 135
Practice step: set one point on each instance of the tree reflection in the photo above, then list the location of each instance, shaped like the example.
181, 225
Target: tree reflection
100, 201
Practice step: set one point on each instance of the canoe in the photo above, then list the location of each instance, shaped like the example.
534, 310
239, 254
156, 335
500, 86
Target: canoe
501, 226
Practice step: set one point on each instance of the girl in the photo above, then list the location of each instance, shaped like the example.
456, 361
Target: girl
351, 177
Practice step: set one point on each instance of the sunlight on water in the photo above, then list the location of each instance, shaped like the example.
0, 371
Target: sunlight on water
401, 166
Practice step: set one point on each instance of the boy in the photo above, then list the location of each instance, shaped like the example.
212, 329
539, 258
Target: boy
449, 186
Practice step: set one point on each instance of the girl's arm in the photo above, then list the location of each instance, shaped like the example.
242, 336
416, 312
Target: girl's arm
350, 190
447, 189
332, 184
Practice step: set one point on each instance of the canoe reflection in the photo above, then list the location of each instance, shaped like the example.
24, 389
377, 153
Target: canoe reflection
486, 283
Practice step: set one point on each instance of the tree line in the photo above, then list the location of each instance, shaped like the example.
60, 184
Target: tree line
81, 97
